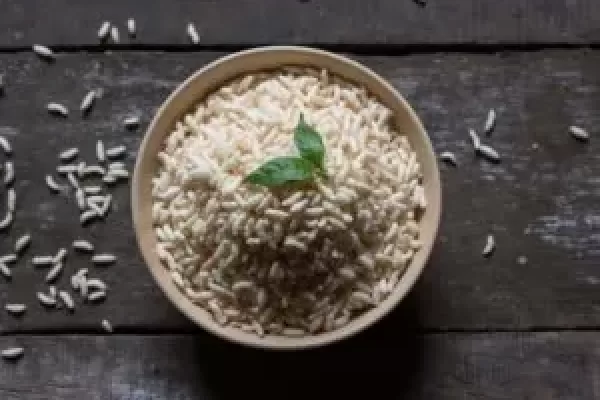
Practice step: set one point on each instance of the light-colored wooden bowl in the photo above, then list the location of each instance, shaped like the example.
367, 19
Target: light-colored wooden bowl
205, 81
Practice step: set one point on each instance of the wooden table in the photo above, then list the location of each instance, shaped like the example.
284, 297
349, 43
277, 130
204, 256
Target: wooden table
472, 328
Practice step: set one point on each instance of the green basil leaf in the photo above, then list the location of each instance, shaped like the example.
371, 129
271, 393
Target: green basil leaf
310, 144
282, 170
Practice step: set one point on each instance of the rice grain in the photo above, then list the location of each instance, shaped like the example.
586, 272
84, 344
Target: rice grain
490, 246
5, 146
57, 109
193, 33
69, 154
13, 353
67, 300
15, 308
22, 243
43, 51
131, 28
45, 299
579, 133
87, 102
103, 259
83, 245
9, 173
490, 121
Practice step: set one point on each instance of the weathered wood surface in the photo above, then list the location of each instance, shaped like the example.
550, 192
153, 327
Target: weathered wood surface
322, 22
541, 203
386, 365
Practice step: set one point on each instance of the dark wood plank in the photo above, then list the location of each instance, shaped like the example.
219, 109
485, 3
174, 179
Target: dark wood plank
541, 203
322, 22
542, 366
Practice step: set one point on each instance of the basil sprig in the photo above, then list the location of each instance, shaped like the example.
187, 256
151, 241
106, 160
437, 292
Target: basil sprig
283, 170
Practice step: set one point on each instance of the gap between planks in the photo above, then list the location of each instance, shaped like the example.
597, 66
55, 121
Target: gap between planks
358, 49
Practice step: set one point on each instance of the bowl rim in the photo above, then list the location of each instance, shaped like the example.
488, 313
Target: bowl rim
410, 274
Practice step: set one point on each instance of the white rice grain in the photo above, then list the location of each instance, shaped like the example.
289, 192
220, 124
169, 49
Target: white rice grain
104, 30
42, 261
73, 180
54, 272
193, 33
96, 284
15, 308
107, 326
131, 122
67, 169
52, 185
43, 51
87, 216
57, 109
4, 270
7, 221
11, 200
579, 133
490, 246
96, 296
83, 245
490, 121
45, 299
9, 258
114, 34
80, 199
9, 173
22, 243
93, 169
103, 259
13, 353
92, 190
488, 152
69, 154
60, 256
115, 152
5, 146
67, 300
474, 139
100, 155
449, 158
131, 28
87, 102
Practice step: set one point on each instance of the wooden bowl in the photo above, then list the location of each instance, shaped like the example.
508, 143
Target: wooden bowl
205, 81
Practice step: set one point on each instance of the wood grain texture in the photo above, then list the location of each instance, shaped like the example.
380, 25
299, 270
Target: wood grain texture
538, 202
542, 366
321, 22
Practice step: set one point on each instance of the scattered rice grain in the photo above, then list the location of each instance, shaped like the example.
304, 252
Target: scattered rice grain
9, 173
43, 51
57, 109
490, 246
449, 158
488, 152
45, 299
5, 146
490, 122
193, 33
15, 308
579, 133
13, 353
104, 30
103, 259
87, 102
22, 243
67, 300
107, 326
131, 28
83, 245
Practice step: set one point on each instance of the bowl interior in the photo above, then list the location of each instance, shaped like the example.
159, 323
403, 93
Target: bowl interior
206, 80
